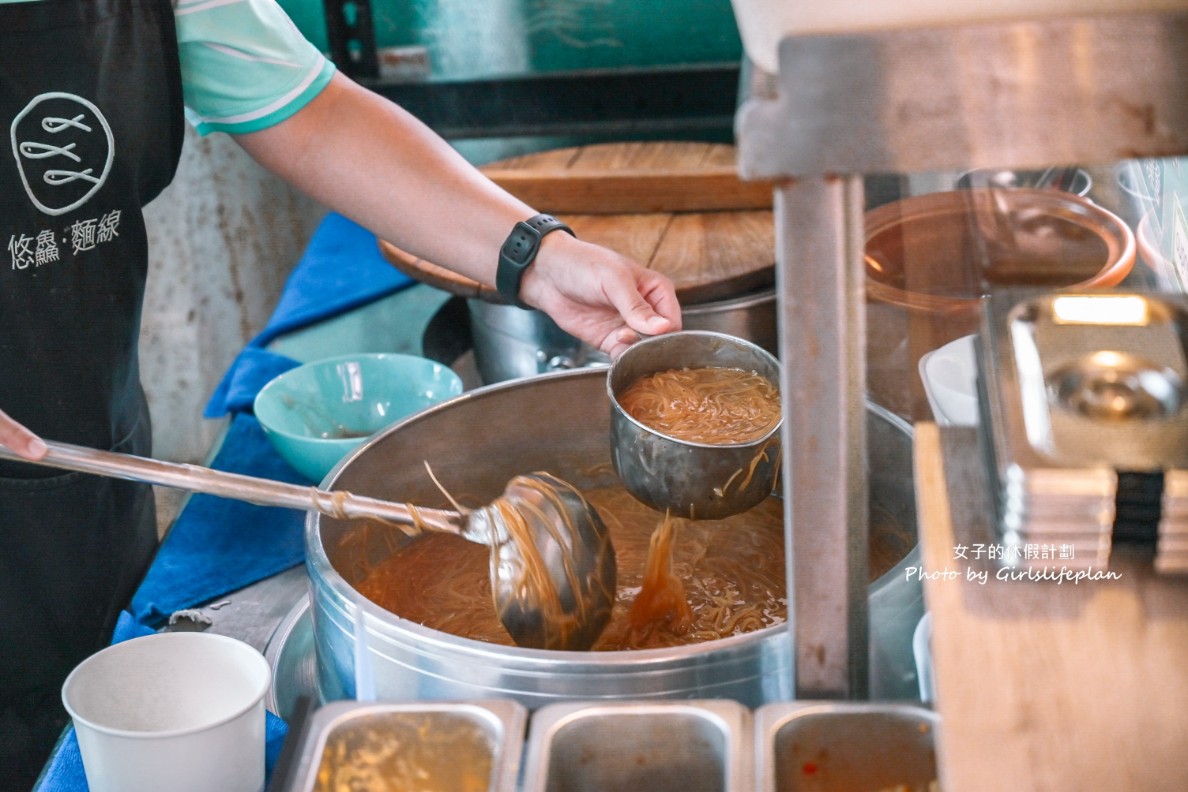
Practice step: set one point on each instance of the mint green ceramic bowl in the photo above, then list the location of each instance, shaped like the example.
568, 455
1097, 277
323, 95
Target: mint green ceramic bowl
318, 412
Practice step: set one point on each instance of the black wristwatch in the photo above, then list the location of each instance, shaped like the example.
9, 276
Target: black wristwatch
519, 251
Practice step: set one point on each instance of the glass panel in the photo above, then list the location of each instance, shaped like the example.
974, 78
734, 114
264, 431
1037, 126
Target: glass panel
936, 243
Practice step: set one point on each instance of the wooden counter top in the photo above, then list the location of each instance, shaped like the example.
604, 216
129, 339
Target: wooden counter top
1053, 687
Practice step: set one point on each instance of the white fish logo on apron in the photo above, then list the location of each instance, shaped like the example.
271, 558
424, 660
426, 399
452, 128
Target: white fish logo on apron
63, 148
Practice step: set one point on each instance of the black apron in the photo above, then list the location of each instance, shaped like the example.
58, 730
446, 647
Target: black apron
90, 100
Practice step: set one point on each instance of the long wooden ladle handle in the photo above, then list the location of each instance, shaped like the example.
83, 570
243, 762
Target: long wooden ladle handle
264, 492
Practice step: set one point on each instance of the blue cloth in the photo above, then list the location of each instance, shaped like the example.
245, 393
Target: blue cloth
218, 545
252, 370
64, 773
342, 268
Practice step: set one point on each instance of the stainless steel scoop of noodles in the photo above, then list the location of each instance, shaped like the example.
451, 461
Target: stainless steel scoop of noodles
552, 562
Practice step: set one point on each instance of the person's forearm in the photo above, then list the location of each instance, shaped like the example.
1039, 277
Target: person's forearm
370, 160
363, 156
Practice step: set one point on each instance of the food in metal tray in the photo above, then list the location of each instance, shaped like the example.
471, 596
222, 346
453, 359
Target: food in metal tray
406, 752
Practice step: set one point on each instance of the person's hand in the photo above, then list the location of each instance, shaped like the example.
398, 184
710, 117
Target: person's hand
19, 439
599, 296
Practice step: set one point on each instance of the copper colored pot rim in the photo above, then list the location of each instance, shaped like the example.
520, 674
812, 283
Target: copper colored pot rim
1111, 229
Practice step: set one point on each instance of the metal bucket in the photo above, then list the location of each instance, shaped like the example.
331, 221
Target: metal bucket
510, 342
558, 422
682, 478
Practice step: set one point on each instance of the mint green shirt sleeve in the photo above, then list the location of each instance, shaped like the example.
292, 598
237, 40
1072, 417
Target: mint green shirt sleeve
245, 66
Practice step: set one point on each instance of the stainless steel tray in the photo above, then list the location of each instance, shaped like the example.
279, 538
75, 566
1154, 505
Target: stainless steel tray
458, 744
1091, 380
656, 746
807, 746
1085, 417
668, 746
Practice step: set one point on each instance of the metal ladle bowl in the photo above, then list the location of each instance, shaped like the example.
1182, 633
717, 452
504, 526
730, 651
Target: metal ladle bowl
553, 571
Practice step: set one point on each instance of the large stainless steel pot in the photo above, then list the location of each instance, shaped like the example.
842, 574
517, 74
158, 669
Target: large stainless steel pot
510, 342
557, 422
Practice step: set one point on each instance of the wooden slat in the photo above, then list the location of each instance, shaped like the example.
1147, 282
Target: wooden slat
636, 236
712, 256
612, 178
437, 276
627, 192
708, 256
645, 157
721, 155
549, 161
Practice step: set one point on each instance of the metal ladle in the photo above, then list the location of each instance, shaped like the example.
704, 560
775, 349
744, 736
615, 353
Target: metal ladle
552, 563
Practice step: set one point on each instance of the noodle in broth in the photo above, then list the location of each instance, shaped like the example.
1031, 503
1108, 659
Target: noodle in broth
712, 405
661, 601
732, 571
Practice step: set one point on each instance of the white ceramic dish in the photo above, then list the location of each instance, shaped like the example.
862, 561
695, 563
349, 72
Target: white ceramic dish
950, 382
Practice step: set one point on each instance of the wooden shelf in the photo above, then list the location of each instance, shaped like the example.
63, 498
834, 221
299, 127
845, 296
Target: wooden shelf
1045, 686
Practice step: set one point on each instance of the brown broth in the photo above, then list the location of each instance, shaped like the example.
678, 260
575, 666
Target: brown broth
732, 572
662, 602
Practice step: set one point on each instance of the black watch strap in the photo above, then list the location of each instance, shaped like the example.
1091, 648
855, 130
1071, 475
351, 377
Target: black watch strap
519, 251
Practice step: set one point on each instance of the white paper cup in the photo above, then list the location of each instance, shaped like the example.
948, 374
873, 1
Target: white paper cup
176, 712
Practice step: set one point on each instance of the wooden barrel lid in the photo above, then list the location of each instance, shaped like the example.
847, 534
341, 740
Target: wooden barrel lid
676, 207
